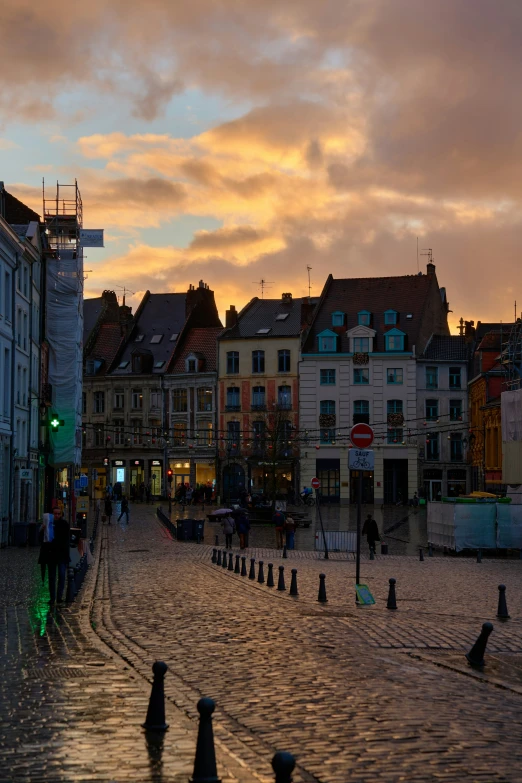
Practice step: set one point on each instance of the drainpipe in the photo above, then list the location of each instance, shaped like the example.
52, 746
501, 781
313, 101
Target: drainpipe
11, 461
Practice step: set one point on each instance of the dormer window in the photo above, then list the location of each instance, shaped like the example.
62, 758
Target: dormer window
338, 318
327, 341
191, 365
390, 317
394, 340
139, 338
363, 318
156, 338
361, 344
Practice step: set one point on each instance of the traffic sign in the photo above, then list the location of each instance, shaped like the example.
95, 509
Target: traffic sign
361, 436
361, 459
315, 483
84, 481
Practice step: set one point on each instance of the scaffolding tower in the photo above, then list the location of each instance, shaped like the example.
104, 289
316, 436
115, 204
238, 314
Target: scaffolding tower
511, 358
63, 217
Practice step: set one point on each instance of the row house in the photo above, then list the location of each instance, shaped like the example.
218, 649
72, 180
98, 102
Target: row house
258, 369
359, 364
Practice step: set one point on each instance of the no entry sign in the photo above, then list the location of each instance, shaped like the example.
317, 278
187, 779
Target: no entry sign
315, 483
361, 436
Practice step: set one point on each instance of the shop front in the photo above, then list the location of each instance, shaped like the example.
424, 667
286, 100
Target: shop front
181, 472
206, 473
155, 476
456, 482
432, 484
328, 473
367, 487
137, 475
263, 481
118, 472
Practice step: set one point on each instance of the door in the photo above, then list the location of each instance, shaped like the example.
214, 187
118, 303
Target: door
233, 482
328, 471
367, 488
433, 489
395, 481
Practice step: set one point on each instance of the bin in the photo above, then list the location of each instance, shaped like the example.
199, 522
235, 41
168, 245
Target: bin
384, 548
32, 534
20, 533
184, 529
198, 529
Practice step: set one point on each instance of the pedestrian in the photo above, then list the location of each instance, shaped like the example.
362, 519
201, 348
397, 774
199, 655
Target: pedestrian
228, 530
45, 535
278, 520
182, 493
108, 491
188, 495
124, 509
148, 492
59, 555
116, 492
243, 528
142, 492
208, 493
290, 532
371, 531
108, 509
415, 500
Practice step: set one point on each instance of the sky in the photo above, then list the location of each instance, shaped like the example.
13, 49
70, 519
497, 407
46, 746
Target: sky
234, 141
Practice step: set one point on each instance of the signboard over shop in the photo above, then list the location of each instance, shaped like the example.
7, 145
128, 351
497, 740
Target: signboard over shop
91, 237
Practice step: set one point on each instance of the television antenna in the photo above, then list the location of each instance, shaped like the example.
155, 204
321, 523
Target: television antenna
125, 291
309, 269
427, 251
264, 284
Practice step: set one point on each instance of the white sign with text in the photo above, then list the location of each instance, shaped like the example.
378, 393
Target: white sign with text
361, 459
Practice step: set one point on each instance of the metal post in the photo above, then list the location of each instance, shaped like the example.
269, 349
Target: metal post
359, 512
318, 505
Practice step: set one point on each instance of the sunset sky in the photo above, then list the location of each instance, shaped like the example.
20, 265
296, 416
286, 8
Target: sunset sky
231, 140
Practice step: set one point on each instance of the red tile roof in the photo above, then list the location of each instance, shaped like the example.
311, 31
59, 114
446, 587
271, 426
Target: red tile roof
108, 340
200, 341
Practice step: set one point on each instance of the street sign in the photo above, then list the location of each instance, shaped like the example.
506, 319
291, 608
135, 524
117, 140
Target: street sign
315, 483
361, 459
26, 474
364, 596
77, 486
361, 435
84, 481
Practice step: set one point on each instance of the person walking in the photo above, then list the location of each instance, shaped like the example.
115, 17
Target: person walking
46, 535
148, 493
124, 508
243, 528
188, 495
290, 527
278, 520
228, 530
59, 555
108, 509
371, 531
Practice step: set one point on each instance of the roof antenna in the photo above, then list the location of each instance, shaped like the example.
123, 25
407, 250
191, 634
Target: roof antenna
125, 291
264, 284
309, 269
417, 255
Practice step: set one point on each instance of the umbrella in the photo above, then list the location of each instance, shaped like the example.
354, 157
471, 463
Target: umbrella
220, 512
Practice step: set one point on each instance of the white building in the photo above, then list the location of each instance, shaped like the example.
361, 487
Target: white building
358, 364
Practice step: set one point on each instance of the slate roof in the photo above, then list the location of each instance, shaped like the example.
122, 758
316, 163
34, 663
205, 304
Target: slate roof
20, 229
203, 343
405, 295
15, 211
447, 347
91, 312
483, 328
261, 314
158, 314
108, 341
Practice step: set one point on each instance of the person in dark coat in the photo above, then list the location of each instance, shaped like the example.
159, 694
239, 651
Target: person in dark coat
124, 508
45, 536
108, 509
371, 531
60, 555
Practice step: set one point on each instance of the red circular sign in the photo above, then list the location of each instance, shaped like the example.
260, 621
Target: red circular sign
315, 483
361, 436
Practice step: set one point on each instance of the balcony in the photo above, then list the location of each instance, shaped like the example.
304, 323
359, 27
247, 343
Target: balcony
233, 408
259, 406
284, 405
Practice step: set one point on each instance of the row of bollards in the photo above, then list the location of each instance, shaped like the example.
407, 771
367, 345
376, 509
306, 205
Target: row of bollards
75, 577
205, 766
219, 558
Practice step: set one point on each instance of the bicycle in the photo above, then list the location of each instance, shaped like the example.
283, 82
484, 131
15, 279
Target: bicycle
306, 500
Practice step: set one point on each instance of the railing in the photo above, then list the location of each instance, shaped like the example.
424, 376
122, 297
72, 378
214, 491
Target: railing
233, 407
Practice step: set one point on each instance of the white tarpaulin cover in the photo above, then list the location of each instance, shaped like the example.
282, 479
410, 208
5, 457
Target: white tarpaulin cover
475, 525
511, 412
64, 327
509, 520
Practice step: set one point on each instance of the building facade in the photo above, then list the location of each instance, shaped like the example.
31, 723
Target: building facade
358, 364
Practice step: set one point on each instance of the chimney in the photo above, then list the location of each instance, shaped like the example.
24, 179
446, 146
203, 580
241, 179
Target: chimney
231, 317
286, 298
469, 331
430, 269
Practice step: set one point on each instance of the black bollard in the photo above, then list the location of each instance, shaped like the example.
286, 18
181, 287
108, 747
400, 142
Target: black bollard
243, 566
205, 767
219, 557
392, 601
252, 573
283, 765
293, 583
322, 589
281, 580
155, 720
421, 555
479, 555
372, 555
230, 561
224, 564
270, 577
502, 611
214, 555
284, 552
70, 585
430, 549
476, 654
217, 540
261, 574
237, 570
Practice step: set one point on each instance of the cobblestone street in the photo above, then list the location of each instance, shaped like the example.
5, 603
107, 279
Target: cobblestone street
355, 693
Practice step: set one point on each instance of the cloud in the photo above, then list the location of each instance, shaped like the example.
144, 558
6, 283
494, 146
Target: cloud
8, 144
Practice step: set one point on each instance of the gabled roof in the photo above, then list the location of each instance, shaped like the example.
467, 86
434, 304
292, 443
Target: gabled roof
92, 309
262, 314
108, 340
15, 211
447, 347
202, 343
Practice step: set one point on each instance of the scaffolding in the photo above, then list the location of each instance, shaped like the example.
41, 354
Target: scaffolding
63, 217
511, 358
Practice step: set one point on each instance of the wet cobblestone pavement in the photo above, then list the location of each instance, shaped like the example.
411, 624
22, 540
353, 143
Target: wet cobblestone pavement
356, 693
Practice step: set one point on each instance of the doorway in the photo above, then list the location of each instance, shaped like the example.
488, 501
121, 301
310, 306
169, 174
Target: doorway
395, 481
233, 482
433, 484
327, 471
367, 488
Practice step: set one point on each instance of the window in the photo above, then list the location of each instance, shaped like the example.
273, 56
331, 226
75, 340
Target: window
454, 378
363, 318
139, 338
432, 446
26, 281
191, 365
258, 361
233, 437
327, 407
284, 397
174, 337
158, 365
432, 377
361, 344
258, 432
233, 399
390, 317
327, 377
156, 338
99, 402
394, 342
123, 365
455, 407
99, 435
137, 399
327, 435
361, 411
84, 403
258, 398
338, 319
25, 330
361, 375
394, 375
394, 436
119, 432
283, 361
204, 397
327, 342
7, 296
180, 433
136, 431
264, 330
456, 450
179, 400
155, 398
395, 406
119, 399
206, 433
432, 410
232, 362
282, 316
